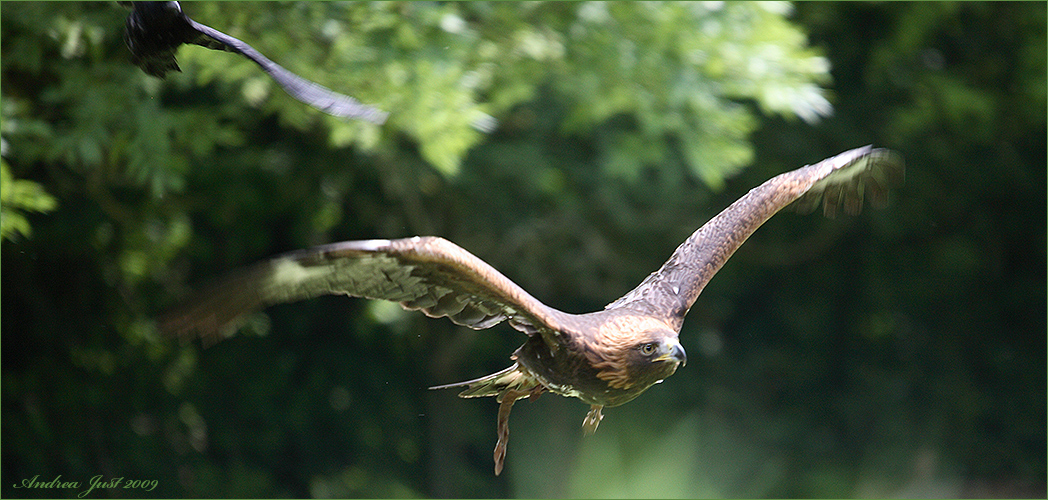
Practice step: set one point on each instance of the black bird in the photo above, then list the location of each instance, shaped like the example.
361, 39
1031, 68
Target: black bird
604, 358
155, 30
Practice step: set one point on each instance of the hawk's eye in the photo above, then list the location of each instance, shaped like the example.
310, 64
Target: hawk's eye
647, 349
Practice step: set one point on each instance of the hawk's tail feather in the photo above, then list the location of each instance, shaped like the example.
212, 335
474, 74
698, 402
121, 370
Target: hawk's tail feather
500, 383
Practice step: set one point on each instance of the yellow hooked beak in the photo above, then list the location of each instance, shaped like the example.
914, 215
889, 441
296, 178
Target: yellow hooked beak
674, 352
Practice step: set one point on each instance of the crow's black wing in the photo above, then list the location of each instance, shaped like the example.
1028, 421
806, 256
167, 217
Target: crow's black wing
311, 93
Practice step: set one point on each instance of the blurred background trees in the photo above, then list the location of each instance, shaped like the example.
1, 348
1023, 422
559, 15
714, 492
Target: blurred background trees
898, 353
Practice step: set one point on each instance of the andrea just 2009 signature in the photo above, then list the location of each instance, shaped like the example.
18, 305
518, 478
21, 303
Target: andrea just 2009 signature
95, 483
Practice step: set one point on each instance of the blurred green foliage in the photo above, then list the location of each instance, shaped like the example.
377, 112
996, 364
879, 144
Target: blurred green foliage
17, 196
898, 353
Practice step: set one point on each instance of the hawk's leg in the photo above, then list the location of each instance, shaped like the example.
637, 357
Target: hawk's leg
592, 420
505, 405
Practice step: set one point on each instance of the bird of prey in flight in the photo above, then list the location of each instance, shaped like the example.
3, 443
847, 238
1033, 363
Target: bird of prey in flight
155, 30
604, 358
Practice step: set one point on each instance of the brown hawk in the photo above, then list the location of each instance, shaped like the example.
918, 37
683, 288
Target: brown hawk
604, 358
155, 30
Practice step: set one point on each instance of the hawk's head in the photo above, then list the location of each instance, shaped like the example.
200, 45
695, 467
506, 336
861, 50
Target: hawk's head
632, 353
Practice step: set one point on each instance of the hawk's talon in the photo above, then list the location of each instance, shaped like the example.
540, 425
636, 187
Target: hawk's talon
592, 420
508, 398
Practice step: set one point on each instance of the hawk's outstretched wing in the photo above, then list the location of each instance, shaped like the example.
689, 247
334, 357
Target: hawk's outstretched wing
844, 179
155, 30
426, 273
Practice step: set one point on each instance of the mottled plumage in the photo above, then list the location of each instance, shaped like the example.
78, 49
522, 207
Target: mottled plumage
604, 358
155, 30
